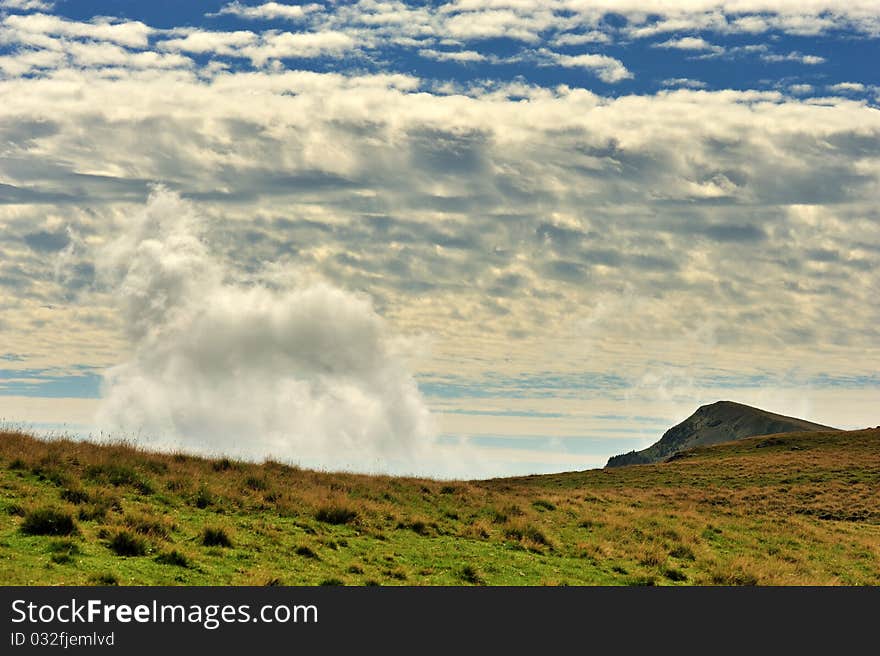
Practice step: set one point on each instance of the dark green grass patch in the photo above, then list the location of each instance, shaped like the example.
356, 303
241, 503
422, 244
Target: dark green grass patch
256, 483
74, 495
306, 552
336, 515
471, 574
125, 543
63, 551
216, 537
119, 475
48, 521
174, 558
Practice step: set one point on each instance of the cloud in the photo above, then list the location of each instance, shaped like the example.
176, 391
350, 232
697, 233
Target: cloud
580, 38
809, 60
27, 5
131, 34
608, 69
286, 45
201, 41
263, 47
497, 23
26, 61
267, 11
733, 17
847, 87
683, 82
711, 207
307, 373
689, 43
107, 54
461, 56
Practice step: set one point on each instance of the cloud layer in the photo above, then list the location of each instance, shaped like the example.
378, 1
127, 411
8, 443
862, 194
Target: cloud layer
590, 215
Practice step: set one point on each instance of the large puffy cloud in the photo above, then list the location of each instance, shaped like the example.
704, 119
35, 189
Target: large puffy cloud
305, 373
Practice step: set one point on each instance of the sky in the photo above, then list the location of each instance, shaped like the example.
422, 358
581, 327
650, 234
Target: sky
453, 239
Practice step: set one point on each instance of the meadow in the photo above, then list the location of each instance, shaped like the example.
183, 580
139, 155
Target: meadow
792, 509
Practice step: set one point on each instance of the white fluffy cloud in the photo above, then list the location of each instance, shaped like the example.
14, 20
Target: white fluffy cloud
92, 54
304, 373
264, 47
125, 33
301, 44
608, 69
689, 43
268, 10
847, 87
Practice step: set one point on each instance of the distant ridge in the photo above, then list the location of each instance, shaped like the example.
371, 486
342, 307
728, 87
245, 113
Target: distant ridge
722, 421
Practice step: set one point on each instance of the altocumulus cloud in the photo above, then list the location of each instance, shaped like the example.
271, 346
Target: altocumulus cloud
308, 374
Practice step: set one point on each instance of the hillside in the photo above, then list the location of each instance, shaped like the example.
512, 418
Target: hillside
723, 421
799, 508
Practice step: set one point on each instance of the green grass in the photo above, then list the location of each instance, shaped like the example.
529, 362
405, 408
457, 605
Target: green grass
803, 509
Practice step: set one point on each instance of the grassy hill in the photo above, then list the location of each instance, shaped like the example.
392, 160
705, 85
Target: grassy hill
798, 508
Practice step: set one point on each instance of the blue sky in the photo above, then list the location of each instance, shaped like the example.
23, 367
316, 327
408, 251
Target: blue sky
463, 238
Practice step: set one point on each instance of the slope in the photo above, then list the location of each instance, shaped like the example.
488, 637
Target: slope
790, 509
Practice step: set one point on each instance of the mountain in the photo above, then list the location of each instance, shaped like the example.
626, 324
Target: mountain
723, 421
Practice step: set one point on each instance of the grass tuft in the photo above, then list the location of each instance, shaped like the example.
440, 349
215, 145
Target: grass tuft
336, 515
471, 575
305, 552
173, 557
63, 551
216, 537
203, 498
256, 483
48, 521
108, 578
124, 543
75, 496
